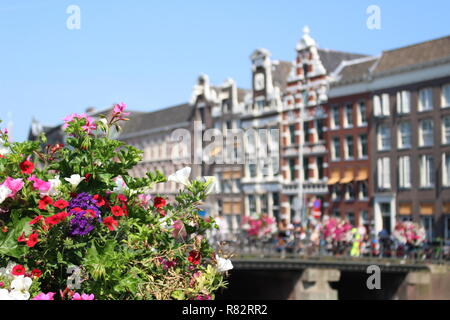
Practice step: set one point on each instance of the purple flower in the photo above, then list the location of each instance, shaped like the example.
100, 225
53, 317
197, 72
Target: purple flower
84, 211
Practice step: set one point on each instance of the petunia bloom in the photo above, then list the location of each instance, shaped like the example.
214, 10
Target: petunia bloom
33, 239
117, 211
159, 202
44, 202
15, 185
26, 167
83, 296
110, 223
194, 257
18, 270
181, 176
45, 296
61, 204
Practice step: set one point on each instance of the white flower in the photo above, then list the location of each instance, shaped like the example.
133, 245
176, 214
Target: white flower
181, 176
20, 286
74, 180
4, 193
3, 150
223, 265
121, 186
4, 295
211, 183
54, 185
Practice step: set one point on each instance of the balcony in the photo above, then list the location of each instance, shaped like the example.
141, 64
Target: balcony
319, 187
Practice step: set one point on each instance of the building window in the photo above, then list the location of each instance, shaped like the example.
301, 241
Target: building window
364, 218
252, 204
384, 137
276, 205
336, 213
336, 149
363, 190
381, 105
226, 105
426, 133
260, 104
306, 132
351, 218
292, 134
404, 172
252, 170
404, 135
291, 169
384, 173
306, 169
446, 96
426, 99
447, 228
349, 192
446, 169
349, 149
426, 171
362, 114
363, 148
335, 194
446, 130
320, 168
428, 222
403, 102
264, 204
292, 206
319, 129
348, 116
335, 120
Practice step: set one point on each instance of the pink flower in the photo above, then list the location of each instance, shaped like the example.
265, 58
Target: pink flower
15, 185
179, 231
38, 184
84, 296
120, 108
44, 296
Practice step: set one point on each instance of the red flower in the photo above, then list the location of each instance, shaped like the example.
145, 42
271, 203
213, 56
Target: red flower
62, 215
44, 202
27, 167
90, 213
122, 198
52, 220
5, 229
32, 239
61, 204
22, 238
162, 212
35, 220
117, 211
125, 210
100, 200
110, 223
194, 257
36, 273
87, 177
18, 270
159, 202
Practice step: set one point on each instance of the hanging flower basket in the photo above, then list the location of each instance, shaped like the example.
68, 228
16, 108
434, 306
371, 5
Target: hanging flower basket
76, 226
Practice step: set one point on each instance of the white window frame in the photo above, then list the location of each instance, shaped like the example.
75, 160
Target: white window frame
380, 137
404, 172
427, 168
333, 149
346, 122
400, 135
425, 99
446, 130
346, 148
403, 102
359, 114
360, 192
384, 173
421, 133
360, 147
446, 169
445, 96
335, 125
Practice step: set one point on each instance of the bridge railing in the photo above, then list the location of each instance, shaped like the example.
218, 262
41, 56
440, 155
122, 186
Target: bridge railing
272, 247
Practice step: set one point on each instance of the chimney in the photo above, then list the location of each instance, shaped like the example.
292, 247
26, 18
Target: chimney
90, 110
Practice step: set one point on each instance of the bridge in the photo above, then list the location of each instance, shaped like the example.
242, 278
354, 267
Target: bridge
262, 273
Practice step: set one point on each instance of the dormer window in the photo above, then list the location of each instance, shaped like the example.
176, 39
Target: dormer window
225, 105
259, 81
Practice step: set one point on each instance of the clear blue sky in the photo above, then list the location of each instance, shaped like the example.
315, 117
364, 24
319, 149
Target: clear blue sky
149, 53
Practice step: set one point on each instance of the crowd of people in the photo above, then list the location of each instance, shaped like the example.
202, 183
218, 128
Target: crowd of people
333, 236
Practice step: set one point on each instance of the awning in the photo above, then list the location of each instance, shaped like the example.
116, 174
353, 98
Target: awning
237, 208
426, 209
334, 178
363, 174
446, 208
348, 176
227, 208
405, 209
226, 175
236, 175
